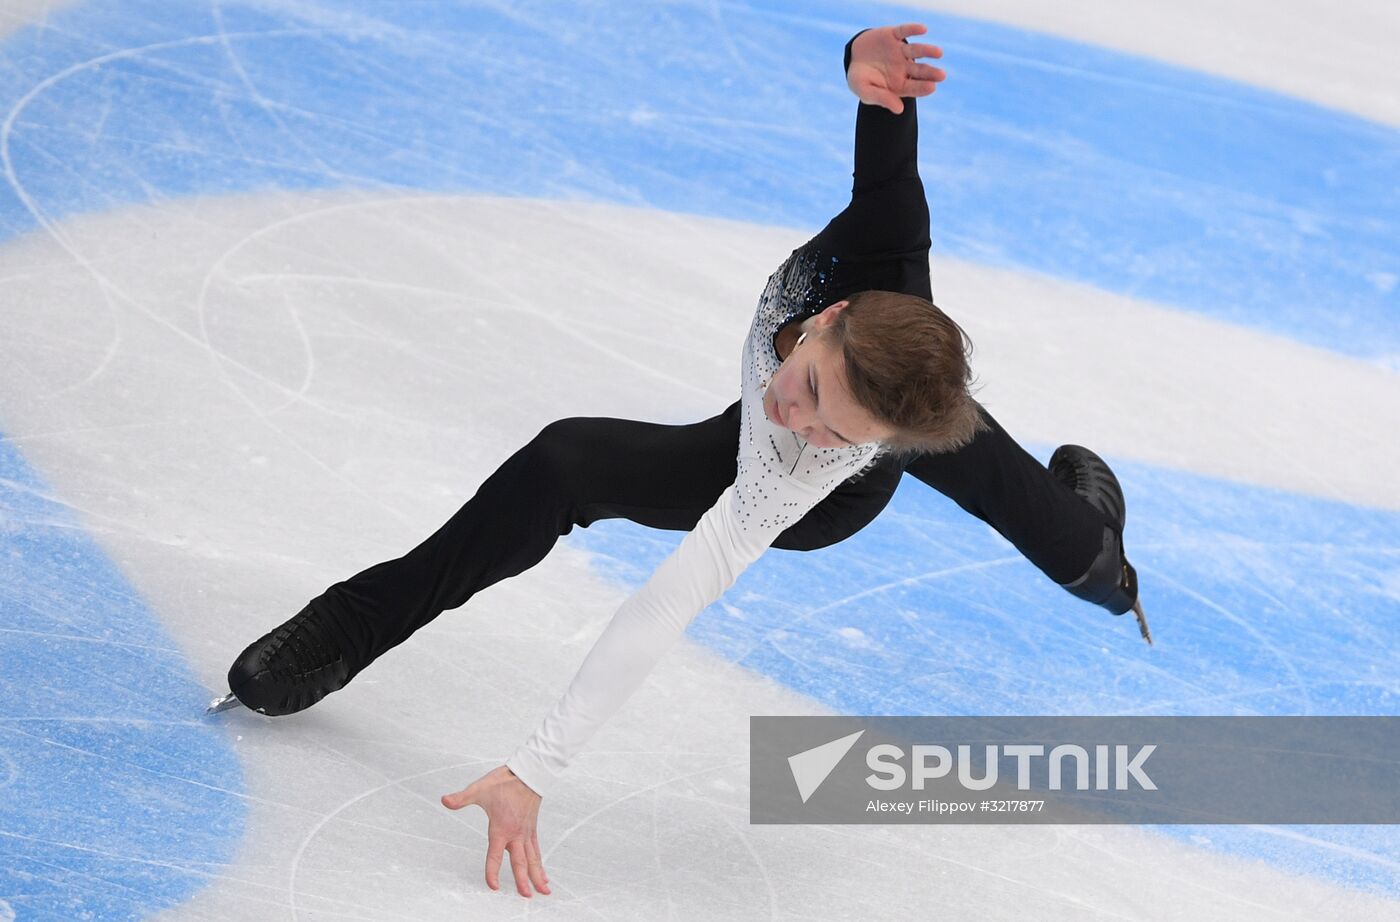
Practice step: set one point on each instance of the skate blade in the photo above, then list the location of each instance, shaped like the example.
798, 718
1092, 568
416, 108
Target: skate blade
1142, 622
222, 704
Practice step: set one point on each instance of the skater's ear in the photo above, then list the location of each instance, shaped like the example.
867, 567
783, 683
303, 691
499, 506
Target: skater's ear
829, 314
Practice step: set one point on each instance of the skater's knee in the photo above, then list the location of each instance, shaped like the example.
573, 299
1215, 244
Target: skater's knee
563, 440
561, 453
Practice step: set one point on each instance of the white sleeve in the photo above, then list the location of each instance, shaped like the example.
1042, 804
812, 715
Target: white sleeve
735, 532
707, 563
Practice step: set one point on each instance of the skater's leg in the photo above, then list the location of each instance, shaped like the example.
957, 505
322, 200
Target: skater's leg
575, 472
996, 480
1066, 519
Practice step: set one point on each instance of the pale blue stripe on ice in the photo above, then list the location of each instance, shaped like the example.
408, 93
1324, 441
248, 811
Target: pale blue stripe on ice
116, 799
1081, 163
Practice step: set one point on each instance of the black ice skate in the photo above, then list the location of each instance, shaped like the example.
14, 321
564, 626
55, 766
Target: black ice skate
1110, 581
287, 670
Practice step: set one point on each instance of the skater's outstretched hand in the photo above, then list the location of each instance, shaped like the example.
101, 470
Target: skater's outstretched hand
512, 810
884, 68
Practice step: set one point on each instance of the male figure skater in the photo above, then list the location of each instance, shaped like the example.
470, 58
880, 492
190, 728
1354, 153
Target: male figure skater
850, 378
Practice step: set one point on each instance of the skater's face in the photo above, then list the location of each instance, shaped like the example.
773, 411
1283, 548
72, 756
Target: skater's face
809, 394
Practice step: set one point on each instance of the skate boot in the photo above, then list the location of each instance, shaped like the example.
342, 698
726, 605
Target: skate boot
289, 669
1111, 581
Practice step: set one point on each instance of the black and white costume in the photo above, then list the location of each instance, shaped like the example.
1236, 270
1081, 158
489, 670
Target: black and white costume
737, 482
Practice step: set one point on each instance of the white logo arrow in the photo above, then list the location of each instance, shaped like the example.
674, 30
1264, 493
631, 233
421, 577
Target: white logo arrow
810, 768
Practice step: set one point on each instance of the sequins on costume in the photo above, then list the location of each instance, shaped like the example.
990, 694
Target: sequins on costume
781, 477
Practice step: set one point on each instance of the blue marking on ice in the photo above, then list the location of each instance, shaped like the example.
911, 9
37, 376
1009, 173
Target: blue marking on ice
1261, 603
1079, 162
115, 799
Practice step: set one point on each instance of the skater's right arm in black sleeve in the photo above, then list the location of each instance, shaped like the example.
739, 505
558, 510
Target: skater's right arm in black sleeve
888, 214
886, 144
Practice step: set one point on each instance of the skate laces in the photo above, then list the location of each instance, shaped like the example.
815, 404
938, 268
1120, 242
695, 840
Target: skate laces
302, 646
1091, 478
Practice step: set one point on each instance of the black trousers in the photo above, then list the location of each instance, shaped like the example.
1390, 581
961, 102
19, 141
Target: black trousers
580, 470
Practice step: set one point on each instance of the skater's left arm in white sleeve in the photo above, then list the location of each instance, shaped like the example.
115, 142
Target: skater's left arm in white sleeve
707, 562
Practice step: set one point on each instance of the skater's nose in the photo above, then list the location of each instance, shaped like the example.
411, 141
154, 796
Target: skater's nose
802, 420
798, 418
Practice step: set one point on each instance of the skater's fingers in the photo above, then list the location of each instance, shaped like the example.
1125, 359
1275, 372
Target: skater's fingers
537, 875
909, 29
459, 799
926, 72
535, 844
519, 866
914, 52
919, 88
495, 854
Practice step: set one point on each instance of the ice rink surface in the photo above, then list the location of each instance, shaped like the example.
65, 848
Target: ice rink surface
283, 280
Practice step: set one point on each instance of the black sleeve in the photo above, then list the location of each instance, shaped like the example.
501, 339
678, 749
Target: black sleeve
887, 145
882, 236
